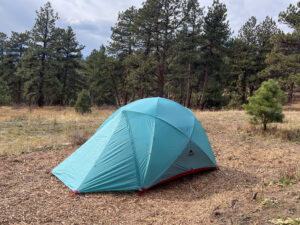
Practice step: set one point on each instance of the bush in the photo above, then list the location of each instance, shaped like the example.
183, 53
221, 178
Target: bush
265, 106
5, 98
83, 103
79, 137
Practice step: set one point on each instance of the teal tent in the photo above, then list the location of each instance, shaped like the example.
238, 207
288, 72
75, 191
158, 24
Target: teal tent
142, 144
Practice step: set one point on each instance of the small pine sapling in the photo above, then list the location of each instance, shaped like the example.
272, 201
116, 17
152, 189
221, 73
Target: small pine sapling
84, 102
265, 106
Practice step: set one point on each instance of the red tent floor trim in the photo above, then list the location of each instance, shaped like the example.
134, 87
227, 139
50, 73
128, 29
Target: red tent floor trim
177, 176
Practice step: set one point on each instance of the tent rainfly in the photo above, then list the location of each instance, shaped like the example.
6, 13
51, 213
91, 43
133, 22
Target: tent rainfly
142, 144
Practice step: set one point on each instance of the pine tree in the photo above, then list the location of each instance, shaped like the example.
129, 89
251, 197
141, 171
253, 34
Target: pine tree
15, 49
266, 31
28, 69
161, 21
283, 61
123, 34
4, 90
247, 58
213, 50
83, 103
291, 16
3, 39
249, 54
265, 106
43, 50
187, 51
99, 77
140, 69
123, 43
68, 64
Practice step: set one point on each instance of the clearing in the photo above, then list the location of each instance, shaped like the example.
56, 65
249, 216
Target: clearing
258, 181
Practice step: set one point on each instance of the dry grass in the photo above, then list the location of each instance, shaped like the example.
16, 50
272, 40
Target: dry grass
25, 130
238, 193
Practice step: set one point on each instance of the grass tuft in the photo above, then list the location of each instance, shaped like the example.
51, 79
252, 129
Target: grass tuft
79, 137
286, 134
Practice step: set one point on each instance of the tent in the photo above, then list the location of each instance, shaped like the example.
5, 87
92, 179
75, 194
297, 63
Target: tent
142, 144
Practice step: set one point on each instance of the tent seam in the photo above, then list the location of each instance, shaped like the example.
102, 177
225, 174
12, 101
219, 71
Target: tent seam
191, 140
193, 127
156, 106
149, 156
78, 188
133, 149
160, 120
204, 151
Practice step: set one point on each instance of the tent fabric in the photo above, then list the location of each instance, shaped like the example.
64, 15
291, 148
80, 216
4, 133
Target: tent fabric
140, 145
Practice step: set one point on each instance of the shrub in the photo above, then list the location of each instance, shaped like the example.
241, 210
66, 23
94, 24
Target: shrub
83, 103
266, 104
5, 98
79, 137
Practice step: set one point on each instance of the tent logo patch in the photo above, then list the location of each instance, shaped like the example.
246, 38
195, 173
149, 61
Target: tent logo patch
191, 152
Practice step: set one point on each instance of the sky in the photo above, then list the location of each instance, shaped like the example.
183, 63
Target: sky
91, 19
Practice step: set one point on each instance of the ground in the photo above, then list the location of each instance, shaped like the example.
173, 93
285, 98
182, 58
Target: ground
258, 181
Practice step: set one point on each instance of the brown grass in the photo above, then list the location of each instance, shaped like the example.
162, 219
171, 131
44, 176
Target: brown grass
25, 130
238, 193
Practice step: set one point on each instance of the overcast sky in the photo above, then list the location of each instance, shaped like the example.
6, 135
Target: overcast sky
92, 19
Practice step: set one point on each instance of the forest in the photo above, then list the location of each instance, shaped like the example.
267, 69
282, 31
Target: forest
175, 49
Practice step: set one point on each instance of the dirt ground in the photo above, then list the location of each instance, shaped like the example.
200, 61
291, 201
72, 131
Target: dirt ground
257, 183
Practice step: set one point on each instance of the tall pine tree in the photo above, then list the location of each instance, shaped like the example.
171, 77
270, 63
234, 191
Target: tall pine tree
98, 70
68, 65
123, 43
187, 50
213, 49
15, 49
43, 50
283, 62
3, 39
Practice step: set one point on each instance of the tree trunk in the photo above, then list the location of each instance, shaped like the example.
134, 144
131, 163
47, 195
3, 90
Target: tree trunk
41, 85
42, 71
204, 88
133, 94
125, 93
251, 90
188, 88
198, 92
116, 91
181, 98
64, 93
160, 74
141, 93
291, 92
141, 80
243, 84
265, 126
19, 91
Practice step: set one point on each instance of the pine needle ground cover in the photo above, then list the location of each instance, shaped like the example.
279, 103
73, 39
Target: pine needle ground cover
258, 181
